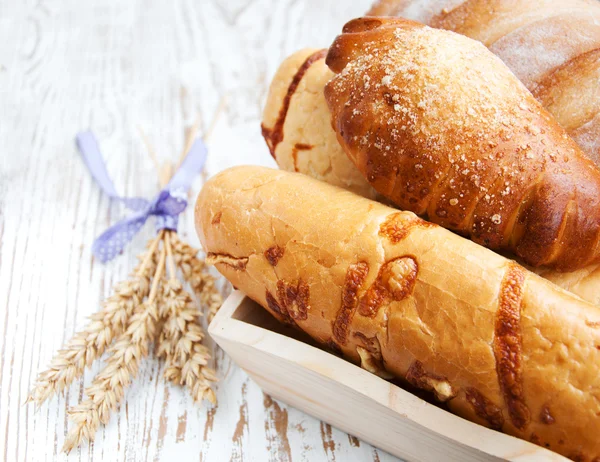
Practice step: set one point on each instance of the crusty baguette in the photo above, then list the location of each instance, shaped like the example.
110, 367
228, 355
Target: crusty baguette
552, 46
297, 90
583, 282
500, 345
440, 126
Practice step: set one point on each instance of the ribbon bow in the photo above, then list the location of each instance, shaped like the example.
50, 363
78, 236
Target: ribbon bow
166, 206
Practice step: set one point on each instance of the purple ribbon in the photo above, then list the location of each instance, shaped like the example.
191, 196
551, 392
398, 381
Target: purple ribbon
166, 206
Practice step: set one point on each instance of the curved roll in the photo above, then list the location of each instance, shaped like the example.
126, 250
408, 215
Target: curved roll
500, 345
552, 46
441, 127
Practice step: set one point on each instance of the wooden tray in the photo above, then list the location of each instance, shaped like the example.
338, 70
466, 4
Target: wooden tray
289, 366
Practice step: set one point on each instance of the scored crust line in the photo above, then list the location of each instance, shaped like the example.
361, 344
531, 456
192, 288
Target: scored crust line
508, 345
355, 277
273, 136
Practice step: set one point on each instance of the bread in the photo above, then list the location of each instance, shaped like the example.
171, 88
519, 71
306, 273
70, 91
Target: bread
552, 46
440, 126
583, 282
298, 102
498, 344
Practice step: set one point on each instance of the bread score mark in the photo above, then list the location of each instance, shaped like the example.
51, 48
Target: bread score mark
440, 386
299, 147
273, 254
575, 65
395, 281
292, 302
236, 263
371, 358
397, 226
273, 136
295, 298
370, 362
275, 307
355, 277
508, 345
484, 408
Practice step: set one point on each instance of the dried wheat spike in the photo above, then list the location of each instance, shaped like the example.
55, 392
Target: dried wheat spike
104, 326
210, 297
107, 389
180, 343
196, 274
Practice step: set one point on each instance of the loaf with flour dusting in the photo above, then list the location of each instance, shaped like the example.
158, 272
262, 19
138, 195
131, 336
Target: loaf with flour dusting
440, 126
552, 46
500, 345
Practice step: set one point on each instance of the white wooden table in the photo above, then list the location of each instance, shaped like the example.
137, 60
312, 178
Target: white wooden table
113, 65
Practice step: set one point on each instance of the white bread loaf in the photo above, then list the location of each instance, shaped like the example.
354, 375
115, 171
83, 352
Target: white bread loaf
297, 127
500, 345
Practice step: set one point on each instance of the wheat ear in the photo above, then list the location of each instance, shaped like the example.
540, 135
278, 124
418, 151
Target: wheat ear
180, 341
197, 276
107, 388
104, 326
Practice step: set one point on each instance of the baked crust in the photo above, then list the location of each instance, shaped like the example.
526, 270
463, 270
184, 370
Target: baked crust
583, 282
296, 124
500, 345
441, 127
541, 41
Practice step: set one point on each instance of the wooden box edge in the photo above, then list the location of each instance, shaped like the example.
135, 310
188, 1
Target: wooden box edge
352, 399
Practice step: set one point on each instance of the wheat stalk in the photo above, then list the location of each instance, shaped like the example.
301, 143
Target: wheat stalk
107, 388
90, 343
131, 318
180, 340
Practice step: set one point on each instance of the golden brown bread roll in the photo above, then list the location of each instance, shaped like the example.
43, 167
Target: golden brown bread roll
583, 282
440, 126
552, 46
500, 345
298, 89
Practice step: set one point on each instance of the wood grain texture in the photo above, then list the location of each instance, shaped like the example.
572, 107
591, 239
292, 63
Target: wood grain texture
111, 66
